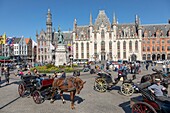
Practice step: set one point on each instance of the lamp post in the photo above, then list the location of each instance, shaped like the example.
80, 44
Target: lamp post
71, 60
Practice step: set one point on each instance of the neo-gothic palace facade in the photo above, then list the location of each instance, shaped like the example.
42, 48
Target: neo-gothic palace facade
105, 40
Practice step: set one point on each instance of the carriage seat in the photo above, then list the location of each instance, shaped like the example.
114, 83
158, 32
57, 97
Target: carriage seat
127, 81
46, 82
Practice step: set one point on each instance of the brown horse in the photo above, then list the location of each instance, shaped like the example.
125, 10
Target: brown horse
75, 84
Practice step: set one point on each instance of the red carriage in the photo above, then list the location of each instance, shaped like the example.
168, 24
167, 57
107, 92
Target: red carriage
28, 86
148, 103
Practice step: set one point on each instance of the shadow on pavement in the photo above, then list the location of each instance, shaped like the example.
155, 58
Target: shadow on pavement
126, 106
9, 103
3, 81
67, 97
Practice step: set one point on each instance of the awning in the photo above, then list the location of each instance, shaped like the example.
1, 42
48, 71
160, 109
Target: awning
4, 58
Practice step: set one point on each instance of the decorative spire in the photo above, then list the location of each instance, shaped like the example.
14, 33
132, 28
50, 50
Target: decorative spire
136, 19
36, 33
49, 18
75, 24
114, 19
91, 20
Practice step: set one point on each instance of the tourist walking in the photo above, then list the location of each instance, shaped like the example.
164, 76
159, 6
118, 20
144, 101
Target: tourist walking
7, 74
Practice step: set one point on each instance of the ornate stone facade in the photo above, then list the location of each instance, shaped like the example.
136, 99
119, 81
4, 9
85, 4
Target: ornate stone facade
107, 41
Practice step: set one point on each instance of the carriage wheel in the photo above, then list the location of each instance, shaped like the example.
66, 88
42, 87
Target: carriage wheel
100, 85
142, 107
127, 89
21, 89
38, 99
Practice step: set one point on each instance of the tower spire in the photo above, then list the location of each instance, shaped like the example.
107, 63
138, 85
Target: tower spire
114, 19
91, 23
75, 24
49, 25
136, 19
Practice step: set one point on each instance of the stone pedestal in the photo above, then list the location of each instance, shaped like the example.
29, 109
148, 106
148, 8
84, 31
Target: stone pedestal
60, 55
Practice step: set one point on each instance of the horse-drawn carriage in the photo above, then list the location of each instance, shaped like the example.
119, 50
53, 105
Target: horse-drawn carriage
104, 82
49, 87
28, 86
148, 102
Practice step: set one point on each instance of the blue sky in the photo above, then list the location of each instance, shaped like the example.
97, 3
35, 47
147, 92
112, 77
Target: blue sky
25, 17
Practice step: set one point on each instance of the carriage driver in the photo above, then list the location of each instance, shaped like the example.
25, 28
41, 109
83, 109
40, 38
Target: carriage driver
157, 89
63, 75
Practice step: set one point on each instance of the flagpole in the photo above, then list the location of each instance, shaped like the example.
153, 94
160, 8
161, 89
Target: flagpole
32, 56
4, 53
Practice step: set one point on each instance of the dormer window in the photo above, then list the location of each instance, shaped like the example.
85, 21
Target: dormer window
82, 35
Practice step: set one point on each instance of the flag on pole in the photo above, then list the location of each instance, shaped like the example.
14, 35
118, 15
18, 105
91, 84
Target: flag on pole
10, 41
3, 41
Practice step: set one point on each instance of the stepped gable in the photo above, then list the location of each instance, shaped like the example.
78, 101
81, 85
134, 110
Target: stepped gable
151, 29
102, 19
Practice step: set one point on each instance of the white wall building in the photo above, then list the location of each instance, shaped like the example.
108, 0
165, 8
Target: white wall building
107, 41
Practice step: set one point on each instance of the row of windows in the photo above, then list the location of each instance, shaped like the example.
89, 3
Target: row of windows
156, 48
103, 48
153, 42
42, 49
22, 53
155, 34
43, 57
130, 45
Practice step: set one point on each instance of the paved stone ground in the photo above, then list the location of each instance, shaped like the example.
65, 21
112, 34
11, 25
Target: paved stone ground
88, 101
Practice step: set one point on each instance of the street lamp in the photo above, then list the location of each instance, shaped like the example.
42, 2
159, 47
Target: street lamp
71, 60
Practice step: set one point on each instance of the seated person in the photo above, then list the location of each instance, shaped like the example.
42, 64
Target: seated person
20, 73
55, 75
29, 73
38, 77
157, 89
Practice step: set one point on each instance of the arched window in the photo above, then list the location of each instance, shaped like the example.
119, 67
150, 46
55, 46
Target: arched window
77, 50
88, 33
110, 35
87, 49
82, 50
144, 57
95, 36
118, 45
102, 34
124, 45
102, 46
95, 49
130, 46
124, 54
136, 45
148, 56
110, 46
95, 46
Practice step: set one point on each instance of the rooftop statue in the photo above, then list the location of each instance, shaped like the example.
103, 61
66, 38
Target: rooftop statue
60, 37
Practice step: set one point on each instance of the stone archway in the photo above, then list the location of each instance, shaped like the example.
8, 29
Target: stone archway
163, 57
158, 57
153, 57
133, 57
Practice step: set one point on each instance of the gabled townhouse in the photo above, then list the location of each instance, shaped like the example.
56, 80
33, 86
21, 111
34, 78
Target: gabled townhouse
20, 48
28, 42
